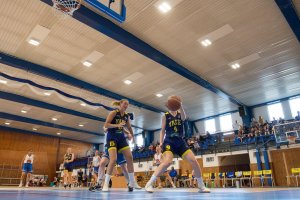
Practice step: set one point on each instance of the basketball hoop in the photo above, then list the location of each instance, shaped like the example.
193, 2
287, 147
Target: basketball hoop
65, 8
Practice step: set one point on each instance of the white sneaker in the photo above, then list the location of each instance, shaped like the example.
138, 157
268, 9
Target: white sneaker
26, 186
204, 190
174, 186
105, 188
149, 188
136, 186
20, 185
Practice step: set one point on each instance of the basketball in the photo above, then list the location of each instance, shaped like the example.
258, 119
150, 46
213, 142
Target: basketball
174, 103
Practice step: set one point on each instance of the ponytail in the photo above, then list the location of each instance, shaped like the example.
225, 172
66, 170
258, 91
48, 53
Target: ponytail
118, 103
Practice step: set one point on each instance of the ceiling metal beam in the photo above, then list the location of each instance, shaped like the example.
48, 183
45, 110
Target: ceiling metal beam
44, 105
289, 12
106, 27
12, 117
64, 78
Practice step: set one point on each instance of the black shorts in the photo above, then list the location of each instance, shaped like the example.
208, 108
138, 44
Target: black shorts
175, 145
116, 141
68, 167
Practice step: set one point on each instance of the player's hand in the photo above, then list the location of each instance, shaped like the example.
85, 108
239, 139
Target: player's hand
121, 125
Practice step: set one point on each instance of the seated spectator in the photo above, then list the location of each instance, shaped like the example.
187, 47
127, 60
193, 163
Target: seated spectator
55, 182
173, 175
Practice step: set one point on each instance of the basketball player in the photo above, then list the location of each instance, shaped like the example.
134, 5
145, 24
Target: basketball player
172, 142
157, 160
68, 159
27, 168
116, 141
96, 165
120, 161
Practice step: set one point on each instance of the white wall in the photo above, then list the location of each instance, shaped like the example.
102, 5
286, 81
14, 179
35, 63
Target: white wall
234, 116
156, 137
263, 111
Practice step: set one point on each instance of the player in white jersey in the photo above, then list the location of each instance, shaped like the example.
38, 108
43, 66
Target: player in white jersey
27, 168
96, 164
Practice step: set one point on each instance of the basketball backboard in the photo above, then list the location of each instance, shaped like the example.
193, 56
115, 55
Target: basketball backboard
113, 8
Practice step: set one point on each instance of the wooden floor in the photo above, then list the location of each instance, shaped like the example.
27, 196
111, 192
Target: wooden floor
122, 194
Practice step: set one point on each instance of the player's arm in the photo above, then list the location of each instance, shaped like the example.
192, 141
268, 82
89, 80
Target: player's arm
73, 157
182, 113
162, 131
109, 118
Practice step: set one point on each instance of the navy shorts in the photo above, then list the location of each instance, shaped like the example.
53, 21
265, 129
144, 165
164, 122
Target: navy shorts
68, 167
96, 169
27, 168
176, 145
116, 141
120, 157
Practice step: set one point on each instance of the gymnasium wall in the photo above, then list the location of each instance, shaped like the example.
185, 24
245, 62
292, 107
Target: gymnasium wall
48, 151
283, 161
201, 126
263, 111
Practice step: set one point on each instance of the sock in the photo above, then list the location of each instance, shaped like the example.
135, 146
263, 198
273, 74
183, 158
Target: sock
107, 179
126, 177
200, 182
152, 179
131, 179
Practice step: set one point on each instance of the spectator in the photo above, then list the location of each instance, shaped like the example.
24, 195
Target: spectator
274, 122
260, 120
80, 177
297, 118
173, 175
236, 127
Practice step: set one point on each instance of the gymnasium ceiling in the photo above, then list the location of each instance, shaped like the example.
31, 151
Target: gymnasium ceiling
258, 30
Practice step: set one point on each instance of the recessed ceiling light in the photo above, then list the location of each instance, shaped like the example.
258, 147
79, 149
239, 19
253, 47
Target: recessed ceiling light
23, 111
235, 66
159, 95
128, 82
58, 133
3, 81
7, 123
54, 119
164, 7
87, 63
206, 42
34, 42
34, 129
47, 93
81, 125
83, 104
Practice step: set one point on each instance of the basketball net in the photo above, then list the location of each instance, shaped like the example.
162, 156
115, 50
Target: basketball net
65, 8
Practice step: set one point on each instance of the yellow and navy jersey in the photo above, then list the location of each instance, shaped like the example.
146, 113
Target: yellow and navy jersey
174, 125
68, 156
117, 120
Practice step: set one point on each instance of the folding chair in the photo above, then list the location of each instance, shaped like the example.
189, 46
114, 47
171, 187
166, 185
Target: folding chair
246, 176
267, 174
295, 174
257, 175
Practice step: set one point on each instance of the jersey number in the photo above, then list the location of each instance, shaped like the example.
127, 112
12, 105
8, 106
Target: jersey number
175, 129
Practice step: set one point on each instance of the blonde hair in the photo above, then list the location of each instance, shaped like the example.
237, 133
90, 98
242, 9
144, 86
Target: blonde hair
118, 103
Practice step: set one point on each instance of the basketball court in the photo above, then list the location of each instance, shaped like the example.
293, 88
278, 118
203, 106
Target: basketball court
228, 194
233, 67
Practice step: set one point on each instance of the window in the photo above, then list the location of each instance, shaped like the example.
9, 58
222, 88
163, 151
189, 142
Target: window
210, 126
226, 122
275, 111
139, 140
294, 106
